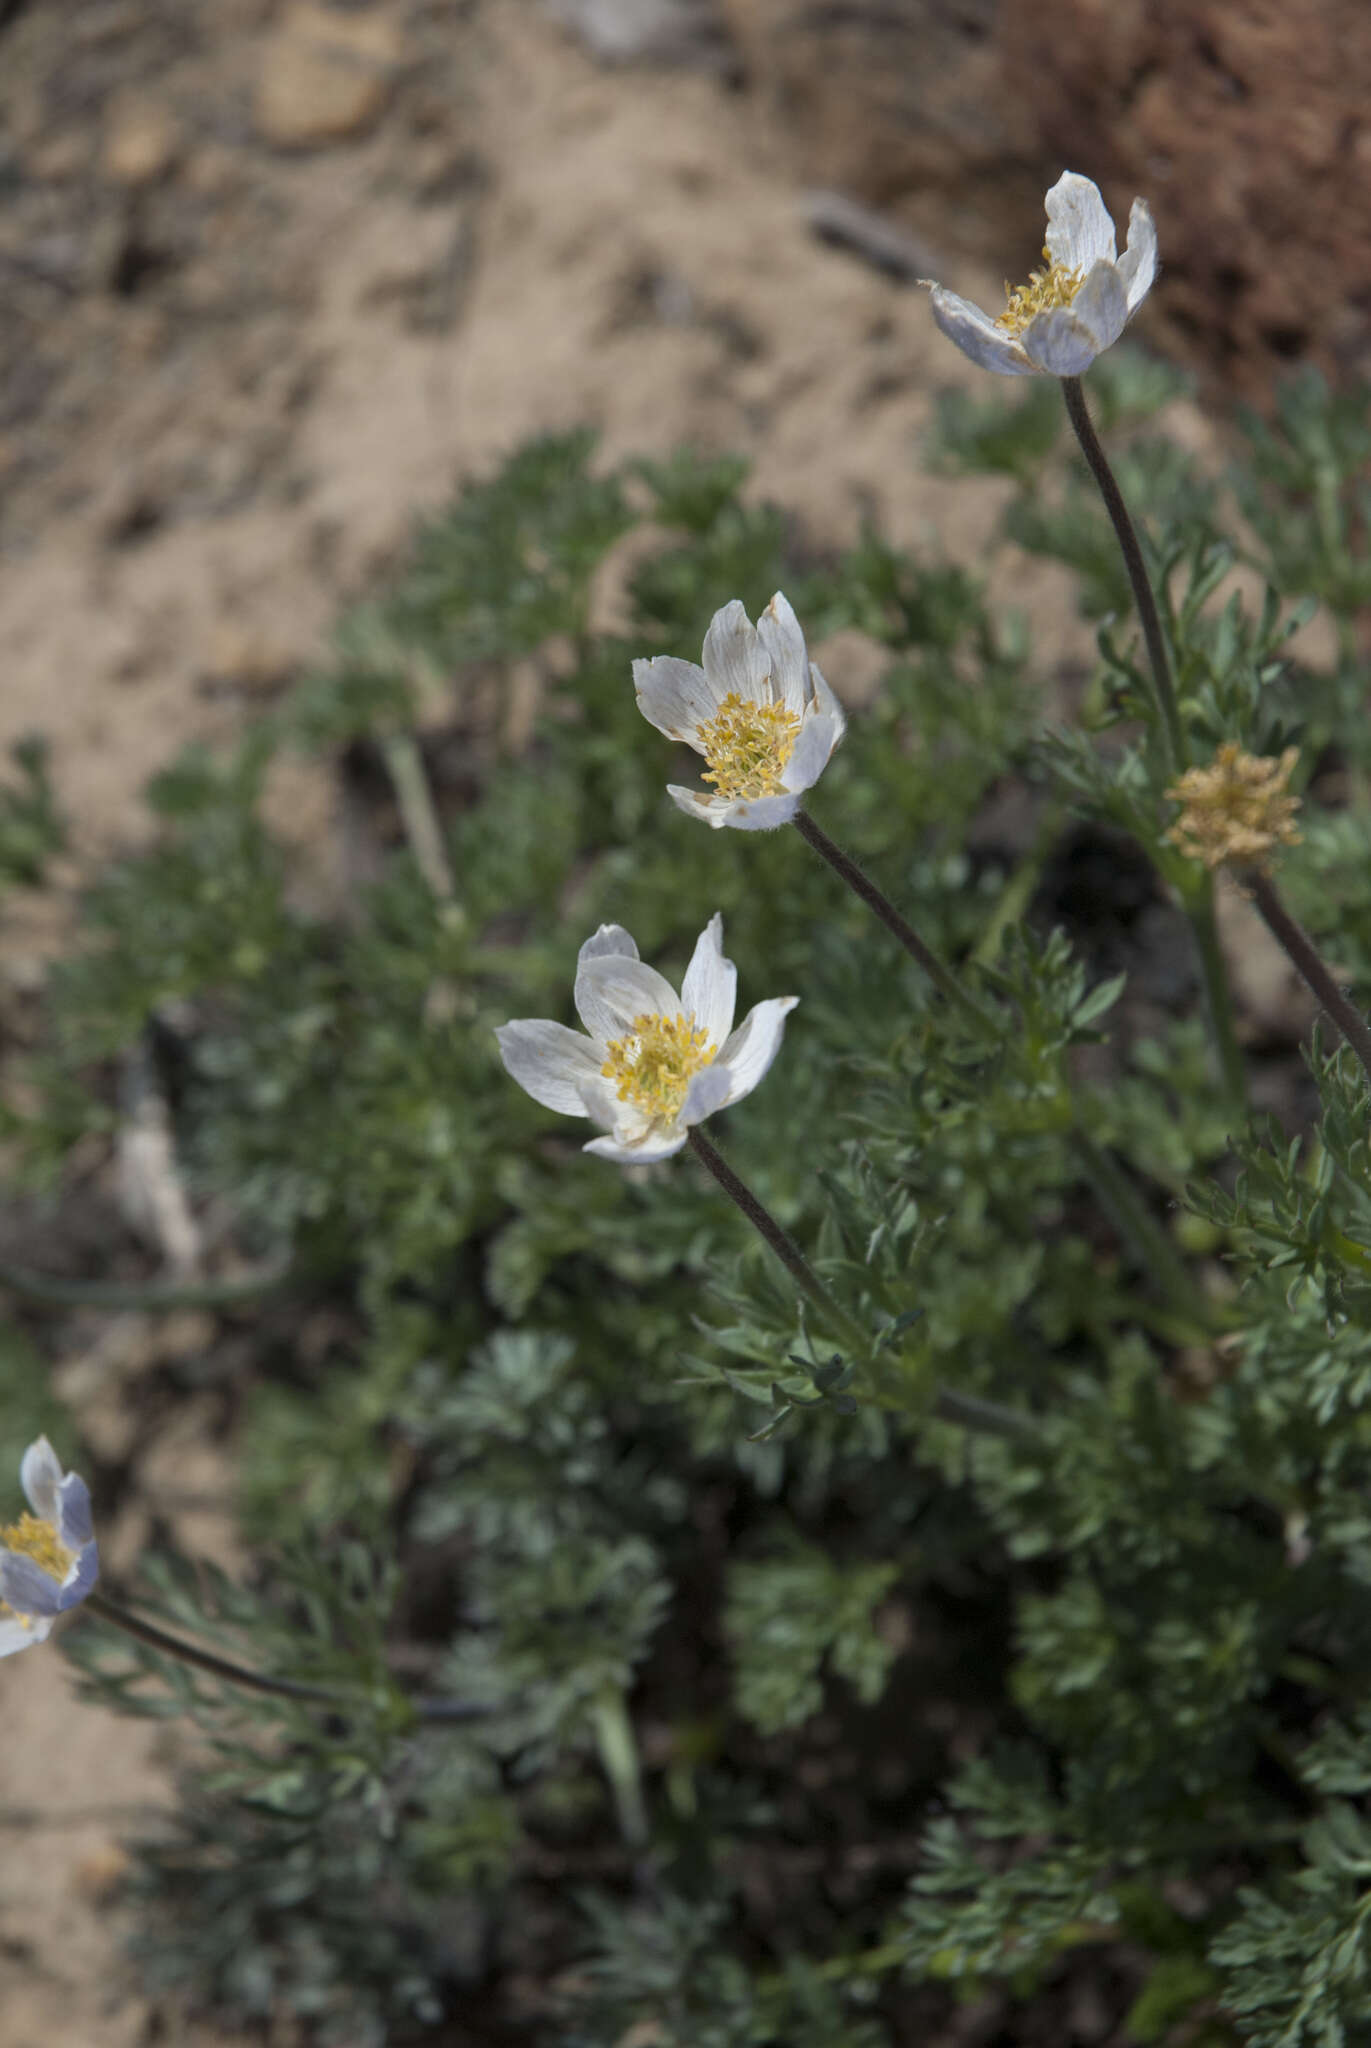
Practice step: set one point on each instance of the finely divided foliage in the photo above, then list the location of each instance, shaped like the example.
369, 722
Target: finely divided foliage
653, 1633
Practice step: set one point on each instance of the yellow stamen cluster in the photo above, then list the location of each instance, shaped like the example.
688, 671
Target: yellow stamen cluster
32, 1537
654, 1064
1237, 809
747, 745
1055, 286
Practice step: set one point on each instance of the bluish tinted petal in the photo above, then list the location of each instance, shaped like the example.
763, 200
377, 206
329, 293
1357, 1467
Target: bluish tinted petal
1101, 305
40, 1475
26, 1587
977, 335
1138, 263
80, 1580
73, 1521
548, 1061
22, 1635
1080, 233
710, 988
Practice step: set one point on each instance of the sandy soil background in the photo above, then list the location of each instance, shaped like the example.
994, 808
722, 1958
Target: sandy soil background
273, 280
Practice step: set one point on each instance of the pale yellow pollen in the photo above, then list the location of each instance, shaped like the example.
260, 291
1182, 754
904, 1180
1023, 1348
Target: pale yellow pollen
1055, 286
653, 1065
1237, 809
747, 745
32, 1537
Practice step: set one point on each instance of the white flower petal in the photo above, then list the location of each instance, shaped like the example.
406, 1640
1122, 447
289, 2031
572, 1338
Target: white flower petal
754, 1045
1138, 263
1101, 305
710, 988
19, 1635
778, 629
26, 1587
548, 1061
661, 1145
749, 814
709, 1090
735, 660
761, 813
675, 696
696, 803
811, 756
1066, 340
977, 335
40, 1475
610, 938
824, 700
73, 1521
1080, 232
613, 990
600, 1102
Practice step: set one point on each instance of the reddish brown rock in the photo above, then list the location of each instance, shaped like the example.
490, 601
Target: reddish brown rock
1248, 125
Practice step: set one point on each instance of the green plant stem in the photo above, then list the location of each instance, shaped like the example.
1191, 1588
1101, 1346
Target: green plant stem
426, 1708
1163, 688
1136, 1224
405, 766
1310, 965
263, 1279
618, 1749
862, 885
1218, 998
969, 1410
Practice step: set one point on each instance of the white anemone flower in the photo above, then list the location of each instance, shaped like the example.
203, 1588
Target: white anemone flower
759, 711
654, 1062
48, 1559
1066, 315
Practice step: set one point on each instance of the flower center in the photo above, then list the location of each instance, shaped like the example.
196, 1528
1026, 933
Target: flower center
32, 1537
747, 745
654, 1063
1055, 286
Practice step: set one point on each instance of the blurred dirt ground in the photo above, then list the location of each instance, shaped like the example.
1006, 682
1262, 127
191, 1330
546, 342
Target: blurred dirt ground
272, 280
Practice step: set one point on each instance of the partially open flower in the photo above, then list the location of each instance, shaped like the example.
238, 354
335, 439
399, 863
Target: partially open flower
48, 1559
655, 1062
1237, 809
1066, 315
759, 711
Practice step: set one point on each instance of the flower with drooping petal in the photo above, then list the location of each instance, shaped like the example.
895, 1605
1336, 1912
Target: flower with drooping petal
654, 1062
48, 1559
759, 711
1066, 315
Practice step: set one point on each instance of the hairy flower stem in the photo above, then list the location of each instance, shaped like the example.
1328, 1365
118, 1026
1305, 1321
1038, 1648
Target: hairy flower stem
1163, 688
1309, 963
862, 885
1128, 1215
1218, 998
414, 799
949, 1406
426, 1709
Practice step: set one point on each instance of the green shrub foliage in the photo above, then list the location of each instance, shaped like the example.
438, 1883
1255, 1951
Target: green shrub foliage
791, 1708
